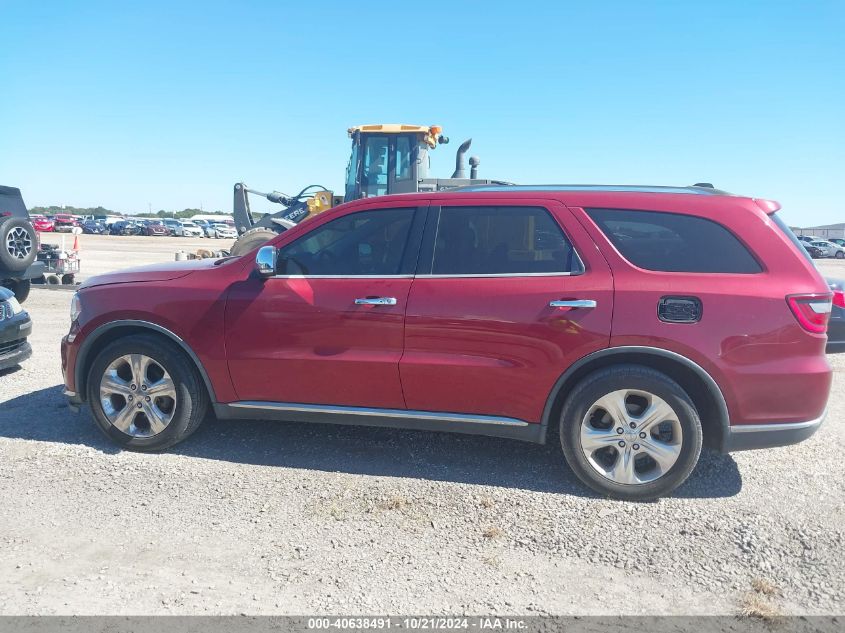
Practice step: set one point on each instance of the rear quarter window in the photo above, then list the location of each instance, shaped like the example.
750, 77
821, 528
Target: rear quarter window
673, 242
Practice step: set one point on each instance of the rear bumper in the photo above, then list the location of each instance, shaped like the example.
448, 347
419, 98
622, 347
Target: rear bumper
750, 436
33, 272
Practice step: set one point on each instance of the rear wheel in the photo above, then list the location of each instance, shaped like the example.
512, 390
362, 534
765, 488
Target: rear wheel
145, 394
840, 254
630, 432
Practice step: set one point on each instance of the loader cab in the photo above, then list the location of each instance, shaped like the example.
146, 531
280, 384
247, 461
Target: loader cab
388, 159
380, 164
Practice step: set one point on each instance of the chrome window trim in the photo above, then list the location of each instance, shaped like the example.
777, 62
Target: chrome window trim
341, 277
426, 276
388, 413
464, 275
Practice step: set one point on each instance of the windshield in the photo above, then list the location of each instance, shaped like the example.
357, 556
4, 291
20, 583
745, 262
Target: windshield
374, 172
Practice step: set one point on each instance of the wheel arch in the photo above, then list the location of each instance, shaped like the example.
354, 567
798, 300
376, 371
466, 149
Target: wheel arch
699, 385
115, 330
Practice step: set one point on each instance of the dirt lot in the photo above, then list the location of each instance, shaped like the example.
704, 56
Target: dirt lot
104, 253
264, 517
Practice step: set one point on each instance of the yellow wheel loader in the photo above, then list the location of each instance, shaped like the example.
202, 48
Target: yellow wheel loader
385, 159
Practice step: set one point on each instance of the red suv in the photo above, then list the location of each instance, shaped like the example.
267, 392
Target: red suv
633, 324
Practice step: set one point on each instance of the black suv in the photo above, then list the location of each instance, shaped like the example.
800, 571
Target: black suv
18, 244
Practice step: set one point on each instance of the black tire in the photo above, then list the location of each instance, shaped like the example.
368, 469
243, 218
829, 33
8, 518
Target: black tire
839, 254
52, 280
251, 240
18, 245
191, 401
636, 378
20, 287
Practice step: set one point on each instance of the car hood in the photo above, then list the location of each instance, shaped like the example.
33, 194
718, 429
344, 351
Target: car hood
153, 272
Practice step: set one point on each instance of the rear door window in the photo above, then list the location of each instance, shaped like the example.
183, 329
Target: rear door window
672, 242
501, 241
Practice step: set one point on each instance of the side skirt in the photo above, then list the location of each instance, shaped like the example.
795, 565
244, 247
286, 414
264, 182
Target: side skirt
390, 418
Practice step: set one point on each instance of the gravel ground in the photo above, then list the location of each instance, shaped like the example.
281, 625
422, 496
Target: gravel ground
268, 517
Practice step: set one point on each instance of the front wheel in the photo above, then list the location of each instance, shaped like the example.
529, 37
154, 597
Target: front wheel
145, 394
630, 432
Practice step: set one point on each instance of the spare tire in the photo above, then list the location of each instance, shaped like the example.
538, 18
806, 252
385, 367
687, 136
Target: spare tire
18, 246
251, 240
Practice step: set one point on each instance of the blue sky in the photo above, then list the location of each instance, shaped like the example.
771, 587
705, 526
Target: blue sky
171, 103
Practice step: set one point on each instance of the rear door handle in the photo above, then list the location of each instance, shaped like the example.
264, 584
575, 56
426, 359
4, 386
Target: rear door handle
574, 303
376, 301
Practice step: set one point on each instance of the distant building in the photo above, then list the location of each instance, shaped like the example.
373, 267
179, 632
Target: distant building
825, 231
217, 217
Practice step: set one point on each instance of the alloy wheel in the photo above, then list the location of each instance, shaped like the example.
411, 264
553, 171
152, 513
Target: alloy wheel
18, 243
631, 436
138, 396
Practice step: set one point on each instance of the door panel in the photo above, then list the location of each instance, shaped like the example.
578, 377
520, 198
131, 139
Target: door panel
492, 344
328, 329
305, 340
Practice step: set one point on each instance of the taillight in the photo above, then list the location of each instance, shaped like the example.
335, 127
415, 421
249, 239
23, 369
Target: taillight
839, 298
812, 311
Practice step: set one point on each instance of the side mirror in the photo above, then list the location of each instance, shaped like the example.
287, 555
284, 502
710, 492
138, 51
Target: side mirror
265, 261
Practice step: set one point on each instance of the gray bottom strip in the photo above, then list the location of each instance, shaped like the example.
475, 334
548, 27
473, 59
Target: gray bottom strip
391, 418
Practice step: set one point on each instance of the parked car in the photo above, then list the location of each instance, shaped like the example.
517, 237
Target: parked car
809, 238
813, 251
207, 227
92, 227
836, 325
154, 228
172, 225
837, 240
223, 231
15, 327
457, 311
64, 222
188, 229
41, 224
107, 220
829, 249
204, 225
125, 227
18, 245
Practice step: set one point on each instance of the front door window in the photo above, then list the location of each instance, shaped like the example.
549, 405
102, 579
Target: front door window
364, 243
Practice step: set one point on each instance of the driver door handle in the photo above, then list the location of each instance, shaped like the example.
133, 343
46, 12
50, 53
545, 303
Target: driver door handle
575, 303
376, 301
